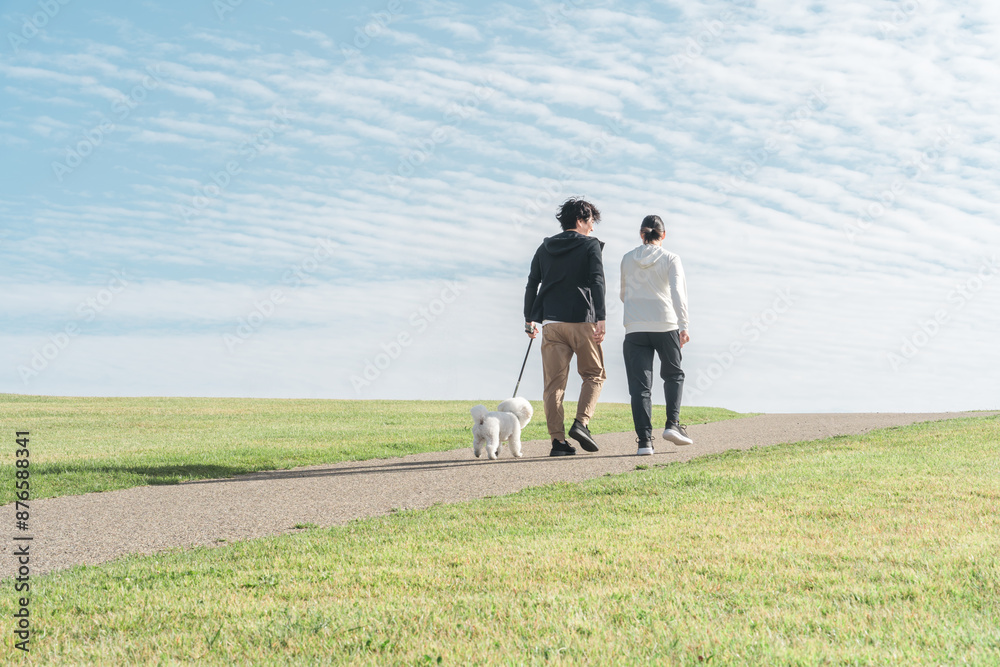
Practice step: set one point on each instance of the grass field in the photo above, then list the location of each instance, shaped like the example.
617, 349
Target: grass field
868, 550
80, 445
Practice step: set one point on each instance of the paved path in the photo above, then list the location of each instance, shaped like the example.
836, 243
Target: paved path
98, 527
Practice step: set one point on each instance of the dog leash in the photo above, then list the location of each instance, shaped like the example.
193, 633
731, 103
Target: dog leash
523, 364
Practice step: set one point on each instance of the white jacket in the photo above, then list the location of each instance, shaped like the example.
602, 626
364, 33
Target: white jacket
654, 290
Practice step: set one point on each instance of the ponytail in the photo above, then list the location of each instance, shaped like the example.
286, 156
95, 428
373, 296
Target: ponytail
652, 228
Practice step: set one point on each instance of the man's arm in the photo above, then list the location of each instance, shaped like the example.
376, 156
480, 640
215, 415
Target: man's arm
596, 280
597, 291
531, 291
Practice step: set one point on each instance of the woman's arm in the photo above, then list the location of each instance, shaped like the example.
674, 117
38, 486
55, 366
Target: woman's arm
621, 293
678, 292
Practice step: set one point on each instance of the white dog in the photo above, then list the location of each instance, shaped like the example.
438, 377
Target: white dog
491, 429
520, 407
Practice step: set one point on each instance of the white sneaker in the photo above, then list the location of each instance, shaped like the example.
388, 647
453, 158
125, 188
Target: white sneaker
677, 434
645, 448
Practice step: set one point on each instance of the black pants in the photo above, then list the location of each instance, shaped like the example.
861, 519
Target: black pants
639, 348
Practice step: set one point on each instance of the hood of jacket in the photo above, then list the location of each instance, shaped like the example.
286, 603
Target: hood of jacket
648, 254
560, 244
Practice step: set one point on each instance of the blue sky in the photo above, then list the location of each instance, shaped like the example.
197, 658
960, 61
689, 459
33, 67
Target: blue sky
260, 199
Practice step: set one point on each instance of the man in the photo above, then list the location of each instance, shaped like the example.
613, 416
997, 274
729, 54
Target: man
565, 293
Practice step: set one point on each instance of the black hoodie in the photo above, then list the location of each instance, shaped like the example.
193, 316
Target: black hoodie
570, 269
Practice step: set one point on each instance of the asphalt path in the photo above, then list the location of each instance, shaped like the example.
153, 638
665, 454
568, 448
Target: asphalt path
98, 527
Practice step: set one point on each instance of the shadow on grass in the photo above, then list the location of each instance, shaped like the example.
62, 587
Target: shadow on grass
195, 473
150, 474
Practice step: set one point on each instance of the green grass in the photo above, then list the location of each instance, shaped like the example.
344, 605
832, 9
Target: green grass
79, 445
870, 550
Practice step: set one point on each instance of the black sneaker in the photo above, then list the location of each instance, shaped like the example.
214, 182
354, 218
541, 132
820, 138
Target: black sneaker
562, 448
581, 434
645, 447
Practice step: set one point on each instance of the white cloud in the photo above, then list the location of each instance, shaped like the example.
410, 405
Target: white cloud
226, 43
85, 85
150, 136
462, 31
320, 38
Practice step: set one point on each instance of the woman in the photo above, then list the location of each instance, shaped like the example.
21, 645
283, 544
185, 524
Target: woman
656, 321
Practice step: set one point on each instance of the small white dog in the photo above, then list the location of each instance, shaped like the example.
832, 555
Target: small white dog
520, 407
491, 429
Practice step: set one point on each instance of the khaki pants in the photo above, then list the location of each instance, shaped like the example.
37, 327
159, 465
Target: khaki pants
560, 341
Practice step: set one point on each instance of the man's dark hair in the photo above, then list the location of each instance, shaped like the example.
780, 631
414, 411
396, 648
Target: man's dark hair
574, 210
